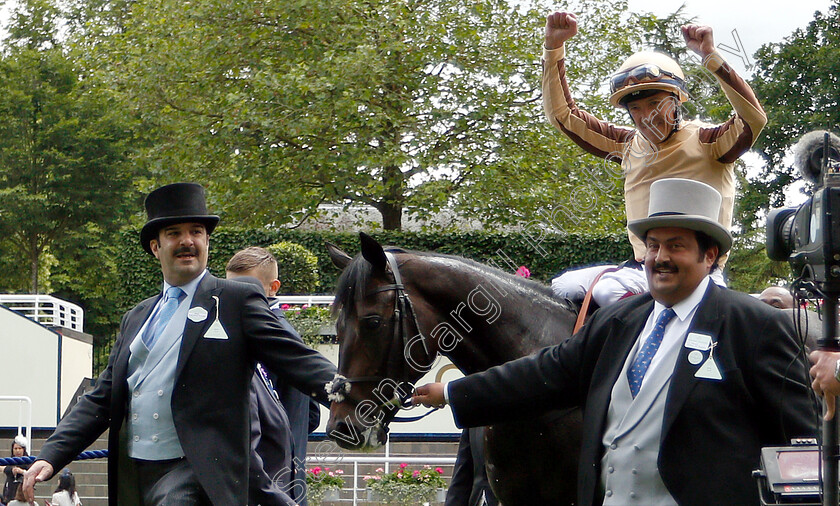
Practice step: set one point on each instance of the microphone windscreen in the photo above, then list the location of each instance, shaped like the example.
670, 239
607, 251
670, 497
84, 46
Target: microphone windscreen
808, 154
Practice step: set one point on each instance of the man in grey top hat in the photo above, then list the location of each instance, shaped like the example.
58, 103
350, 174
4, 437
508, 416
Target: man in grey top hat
175, 392
680, 388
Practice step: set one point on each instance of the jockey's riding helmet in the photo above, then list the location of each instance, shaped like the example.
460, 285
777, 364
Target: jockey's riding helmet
645, 73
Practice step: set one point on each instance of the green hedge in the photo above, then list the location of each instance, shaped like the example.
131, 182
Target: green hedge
297, 268
140, 273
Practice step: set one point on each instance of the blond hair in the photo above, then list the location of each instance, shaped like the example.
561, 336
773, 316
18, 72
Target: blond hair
253, 258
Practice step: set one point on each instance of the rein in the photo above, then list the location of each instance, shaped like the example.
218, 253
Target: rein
339, 388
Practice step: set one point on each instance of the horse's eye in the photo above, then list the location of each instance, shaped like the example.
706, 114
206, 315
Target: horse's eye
372, 322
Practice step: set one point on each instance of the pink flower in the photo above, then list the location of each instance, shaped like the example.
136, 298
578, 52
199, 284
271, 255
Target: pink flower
341, 471
380, 470
316, 470
305, 306
415, 474
285, 307
523, 271
439, 470
403, 465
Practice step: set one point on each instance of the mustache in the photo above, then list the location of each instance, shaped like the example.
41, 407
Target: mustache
186, 249
668, 266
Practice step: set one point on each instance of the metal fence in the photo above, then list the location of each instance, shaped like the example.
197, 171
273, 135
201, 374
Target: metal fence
24, 422
46, 310
311, 300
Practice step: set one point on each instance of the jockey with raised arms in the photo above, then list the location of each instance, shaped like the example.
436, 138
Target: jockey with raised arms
650, 86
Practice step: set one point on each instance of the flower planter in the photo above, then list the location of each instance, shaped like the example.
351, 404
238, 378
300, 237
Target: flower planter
323, 485
406, 487
440, 495
378, 497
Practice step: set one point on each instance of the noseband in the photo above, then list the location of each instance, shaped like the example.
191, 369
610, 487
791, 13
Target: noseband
339, 388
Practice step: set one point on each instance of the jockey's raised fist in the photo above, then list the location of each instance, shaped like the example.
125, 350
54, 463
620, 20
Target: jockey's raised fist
699, 39
559, 27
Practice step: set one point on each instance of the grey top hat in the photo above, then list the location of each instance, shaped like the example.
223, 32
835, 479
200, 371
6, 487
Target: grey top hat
173, 204
684, 203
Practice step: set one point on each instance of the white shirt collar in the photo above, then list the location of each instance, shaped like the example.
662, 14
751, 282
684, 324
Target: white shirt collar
190, 287
685, 307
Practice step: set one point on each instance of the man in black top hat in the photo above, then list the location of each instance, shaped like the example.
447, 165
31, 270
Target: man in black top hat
175, 392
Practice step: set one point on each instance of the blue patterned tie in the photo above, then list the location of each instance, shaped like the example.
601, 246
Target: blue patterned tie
154, 329
637, 371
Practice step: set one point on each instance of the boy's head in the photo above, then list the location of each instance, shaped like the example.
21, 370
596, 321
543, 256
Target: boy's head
258, 263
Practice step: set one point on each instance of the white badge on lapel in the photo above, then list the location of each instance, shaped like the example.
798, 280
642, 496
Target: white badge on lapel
216, 330
695, 357
197, 314
709, 369
697, 341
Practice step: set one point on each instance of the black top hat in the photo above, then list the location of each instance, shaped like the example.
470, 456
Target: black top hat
172, 204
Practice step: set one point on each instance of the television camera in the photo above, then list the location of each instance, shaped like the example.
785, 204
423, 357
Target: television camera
808, 236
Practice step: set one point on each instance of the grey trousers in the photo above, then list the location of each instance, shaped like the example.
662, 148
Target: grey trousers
170, 483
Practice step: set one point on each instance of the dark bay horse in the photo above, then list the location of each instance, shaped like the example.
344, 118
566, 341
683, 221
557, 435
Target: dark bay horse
396, 314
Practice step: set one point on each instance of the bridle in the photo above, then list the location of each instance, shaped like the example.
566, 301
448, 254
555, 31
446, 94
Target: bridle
339, 388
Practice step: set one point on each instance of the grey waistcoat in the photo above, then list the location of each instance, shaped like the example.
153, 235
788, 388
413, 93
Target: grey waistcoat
151, 429
629, 472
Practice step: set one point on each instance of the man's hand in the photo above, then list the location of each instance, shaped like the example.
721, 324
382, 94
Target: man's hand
699, 39
429, 395
825, 384
559, 27
40, 471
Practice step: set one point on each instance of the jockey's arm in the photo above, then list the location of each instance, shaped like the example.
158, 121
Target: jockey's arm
731, 139
598, 137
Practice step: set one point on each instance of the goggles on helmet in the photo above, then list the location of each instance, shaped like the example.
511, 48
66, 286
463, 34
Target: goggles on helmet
643, 74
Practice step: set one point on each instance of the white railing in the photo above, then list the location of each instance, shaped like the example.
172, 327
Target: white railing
358, 459
312, 300
24, 412
46, 310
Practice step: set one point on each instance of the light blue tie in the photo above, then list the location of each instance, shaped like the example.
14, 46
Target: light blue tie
154, 329
637, 371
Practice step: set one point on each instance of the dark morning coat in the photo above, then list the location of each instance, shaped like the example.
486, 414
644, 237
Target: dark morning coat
210, 395
469, 476
304, 417
271, 448
712, 430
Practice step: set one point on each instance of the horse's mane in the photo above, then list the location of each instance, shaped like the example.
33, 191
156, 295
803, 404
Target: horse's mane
352, 284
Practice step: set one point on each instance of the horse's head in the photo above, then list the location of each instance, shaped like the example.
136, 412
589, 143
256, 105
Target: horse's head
382, 351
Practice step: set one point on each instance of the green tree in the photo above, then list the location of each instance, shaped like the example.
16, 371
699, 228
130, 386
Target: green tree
796, 82
408, 104
62, 151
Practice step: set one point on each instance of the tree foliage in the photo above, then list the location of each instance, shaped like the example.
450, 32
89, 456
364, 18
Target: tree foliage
61, 152
399, 104
797, 83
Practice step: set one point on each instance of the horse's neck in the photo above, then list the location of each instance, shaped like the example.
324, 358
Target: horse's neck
497, 319
515, 334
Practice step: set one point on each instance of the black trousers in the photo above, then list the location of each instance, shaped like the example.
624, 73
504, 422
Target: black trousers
169, 483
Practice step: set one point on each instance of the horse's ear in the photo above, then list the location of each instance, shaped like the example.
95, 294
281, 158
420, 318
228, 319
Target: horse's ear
372, 252
339, 258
